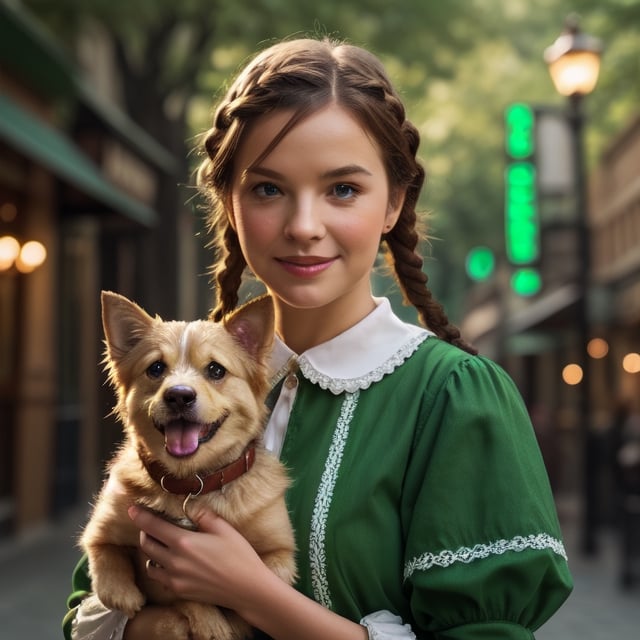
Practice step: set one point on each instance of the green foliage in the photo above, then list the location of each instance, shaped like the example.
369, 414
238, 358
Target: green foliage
457, 64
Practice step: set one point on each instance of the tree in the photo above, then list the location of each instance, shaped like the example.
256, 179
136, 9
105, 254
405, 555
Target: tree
458, 64
169, 55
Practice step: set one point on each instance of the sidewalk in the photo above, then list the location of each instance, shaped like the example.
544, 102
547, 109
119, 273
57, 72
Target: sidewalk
598, 609
35, 581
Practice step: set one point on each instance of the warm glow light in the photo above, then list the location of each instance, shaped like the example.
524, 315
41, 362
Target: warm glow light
631, 363
574, 60
572, 374
9, 251
598, 348
575, 73
32, 255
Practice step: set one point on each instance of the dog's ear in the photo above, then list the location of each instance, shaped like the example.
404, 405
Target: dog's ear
124, 322
253, 326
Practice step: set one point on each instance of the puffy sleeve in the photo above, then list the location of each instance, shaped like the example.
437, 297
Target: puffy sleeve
81, 588
87, 618
484, 553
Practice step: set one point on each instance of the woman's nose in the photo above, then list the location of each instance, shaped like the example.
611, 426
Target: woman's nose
305, 220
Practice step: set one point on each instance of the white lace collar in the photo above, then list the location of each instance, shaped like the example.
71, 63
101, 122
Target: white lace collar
355, 359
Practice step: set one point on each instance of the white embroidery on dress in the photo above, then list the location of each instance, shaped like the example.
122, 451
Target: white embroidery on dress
317, 554
466, 555
351, 385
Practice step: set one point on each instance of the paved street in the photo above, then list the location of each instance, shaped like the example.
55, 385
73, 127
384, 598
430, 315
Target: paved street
34, 583
597, 609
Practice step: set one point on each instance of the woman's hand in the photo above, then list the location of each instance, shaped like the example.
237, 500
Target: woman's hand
218, 566
214, 564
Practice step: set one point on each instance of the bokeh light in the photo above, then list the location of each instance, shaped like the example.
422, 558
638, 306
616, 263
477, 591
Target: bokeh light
32, 255
572, 374
597, 348
9, 251
631, 363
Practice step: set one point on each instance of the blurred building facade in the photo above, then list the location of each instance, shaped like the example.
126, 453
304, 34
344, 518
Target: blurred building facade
536, 337
79, 177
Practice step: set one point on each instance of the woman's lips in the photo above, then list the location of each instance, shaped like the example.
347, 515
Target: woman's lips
305, 267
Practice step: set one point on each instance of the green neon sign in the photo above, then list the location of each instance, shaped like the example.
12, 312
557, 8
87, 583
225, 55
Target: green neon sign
480, 263
522, 227
526, 282
521, 213
519, 131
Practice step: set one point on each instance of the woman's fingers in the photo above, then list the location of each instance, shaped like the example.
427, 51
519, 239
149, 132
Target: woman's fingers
155, 537
155, 550
152, 524
205, 519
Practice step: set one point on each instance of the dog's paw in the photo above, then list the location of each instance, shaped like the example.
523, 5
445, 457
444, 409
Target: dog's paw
158, 621
129, 600
207, 622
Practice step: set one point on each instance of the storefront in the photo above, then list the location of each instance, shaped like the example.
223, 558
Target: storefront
78, 185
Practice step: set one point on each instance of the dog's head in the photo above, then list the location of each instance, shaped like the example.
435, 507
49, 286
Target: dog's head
190, 394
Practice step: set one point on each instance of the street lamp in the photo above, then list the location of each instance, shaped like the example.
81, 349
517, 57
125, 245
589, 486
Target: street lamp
574, 64
574, 60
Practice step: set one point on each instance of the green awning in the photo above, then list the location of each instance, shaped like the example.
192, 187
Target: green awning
62, 157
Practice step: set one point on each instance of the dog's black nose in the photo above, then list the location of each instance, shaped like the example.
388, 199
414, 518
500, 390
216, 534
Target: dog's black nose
180, 396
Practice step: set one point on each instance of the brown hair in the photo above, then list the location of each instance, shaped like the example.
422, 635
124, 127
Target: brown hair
304, 75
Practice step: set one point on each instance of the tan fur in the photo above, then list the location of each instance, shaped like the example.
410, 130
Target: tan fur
253, 503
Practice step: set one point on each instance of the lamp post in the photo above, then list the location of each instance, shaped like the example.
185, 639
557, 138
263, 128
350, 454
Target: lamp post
574, 64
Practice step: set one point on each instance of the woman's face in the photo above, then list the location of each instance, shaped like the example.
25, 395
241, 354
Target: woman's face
309, 216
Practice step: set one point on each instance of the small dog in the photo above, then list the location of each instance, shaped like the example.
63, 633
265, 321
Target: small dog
191, 398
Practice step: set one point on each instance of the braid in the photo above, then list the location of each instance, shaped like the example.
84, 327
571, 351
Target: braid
407, 263
227, 274
226, 271
302, 76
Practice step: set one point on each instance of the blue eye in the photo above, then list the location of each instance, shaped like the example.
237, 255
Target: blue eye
267, 190
344, 191
156, 369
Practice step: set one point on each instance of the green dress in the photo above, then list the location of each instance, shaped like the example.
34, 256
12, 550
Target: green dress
418, 486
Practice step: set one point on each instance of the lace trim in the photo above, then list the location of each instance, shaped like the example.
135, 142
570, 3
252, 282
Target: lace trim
469, 554
317, 552
351, 385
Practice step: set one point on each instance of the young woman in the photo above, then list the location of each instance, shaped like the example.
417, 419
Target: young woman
419, 498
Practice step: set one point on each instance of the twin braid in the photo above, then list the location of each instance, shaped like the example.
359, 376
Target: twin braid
252, 95
229, 264
403, 240
227, 273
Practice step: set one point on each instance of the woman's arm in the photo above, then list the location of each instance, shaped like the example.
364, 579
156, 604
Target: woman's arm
216, 564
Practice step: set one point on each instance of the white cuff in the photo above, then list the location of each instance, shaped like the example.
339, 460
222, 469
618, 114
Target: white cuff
94, 621
383, 625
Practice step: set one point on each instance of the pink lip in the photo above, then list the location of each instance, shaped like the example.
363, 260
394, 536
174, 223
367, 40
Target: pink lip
305, 266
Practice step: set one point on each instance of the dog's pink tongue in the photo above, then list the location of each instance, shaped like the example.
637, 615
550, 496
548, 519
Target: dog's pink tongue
181, 438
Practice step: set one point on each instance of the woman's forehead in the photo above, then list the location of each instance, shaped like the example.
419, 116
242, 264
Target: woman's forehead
268, 131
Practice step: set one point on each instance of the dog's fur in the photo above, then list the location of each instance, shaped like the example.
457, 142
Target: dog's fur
222, 365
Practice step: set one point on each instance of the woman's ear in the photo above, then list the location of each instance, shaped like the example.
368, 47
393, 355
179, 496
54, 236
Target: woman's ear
394, 209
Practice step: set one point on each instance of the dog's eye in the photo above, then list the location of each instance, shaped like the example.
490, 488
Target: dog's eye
215, 370
156, 369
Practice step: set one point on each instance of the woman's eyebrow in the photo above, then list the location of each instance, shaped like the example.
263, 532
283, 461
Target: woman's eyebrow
339, 172
347, 170
263, 171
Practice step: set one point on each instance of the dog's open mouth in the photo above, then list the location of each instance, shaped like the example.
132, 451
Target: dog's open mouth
183, 437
